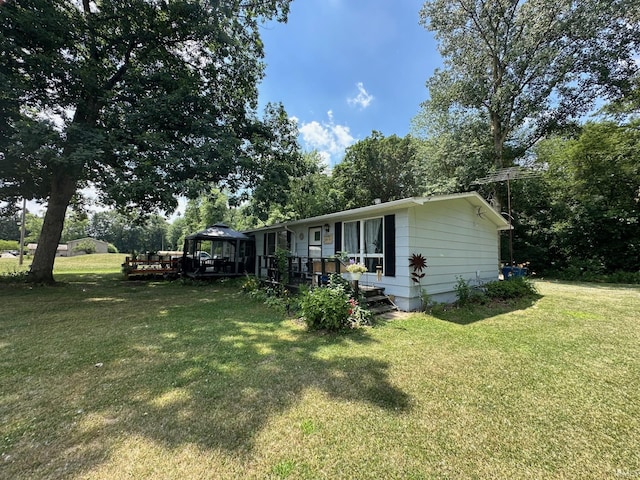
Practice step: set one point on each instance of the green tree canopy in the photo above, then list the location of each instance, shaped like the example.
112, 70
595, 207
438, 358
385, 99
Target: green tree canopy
145, 99
129, 233
33, 227
75, 226
584, 212
454, 149
379, 167
10, 227
530, 65
315, 193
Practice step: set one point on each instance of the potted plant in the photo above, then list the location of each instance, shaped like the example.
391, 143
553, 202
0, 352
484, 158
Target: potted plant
356, 269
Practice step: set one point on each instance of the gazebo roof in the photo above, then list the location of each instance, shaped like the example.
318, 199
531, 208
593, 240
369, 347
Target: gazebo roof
219, 231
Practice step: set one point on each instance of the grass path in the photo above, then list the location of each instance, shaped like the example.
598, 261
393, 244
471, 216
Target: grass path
101, 378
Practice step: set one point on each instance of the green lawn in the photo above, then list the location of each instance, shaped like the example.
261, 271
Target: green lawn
104, 378
81, 264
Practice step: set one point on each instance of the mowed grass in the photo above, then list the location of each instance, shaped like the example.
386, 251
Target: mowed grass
81, 264
104, 378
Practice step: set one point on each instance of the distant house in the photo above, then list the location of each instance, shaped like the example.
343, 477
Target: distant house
456, 234
74, 247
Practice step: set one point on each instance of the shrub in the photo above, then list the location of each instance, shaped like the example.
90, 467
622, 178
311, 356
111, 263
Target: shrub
326, 308
467, 294
577, 274
9, 245
358, 316
623, 277
86, 246
282, 262
13, 277
250, 284
515, 287
111, 248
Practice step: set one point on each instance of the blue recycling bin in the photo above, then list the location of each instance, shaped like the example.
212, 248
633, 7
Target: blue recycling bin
512, 272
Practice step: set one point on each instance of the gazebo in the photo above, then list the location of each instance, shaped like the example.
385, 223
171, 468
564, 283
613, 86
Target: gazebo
218, 251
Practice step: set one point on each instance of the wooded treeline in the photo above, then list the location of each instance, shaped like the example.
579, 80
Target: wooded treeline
579, 216
151, 101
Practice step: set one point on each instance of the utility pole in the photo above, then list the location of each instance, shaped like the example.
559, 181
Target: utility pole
502, 175
22, 228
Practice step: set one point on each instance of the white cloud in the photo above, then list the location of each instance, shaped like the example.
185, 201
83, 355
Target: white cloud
329, 139
363, 99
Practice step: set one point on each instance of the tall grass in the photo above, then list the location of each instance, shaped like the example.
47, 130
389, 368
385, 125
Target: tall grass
103, 378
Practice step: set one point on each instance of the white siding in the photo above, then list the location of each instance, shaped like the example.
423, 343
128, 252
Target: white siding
449, 233
456, 243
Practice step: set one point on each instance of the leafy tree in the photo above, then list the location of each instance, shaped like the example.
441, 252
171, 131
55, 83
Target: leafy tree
145, 99
206, 210
176, 233
240, 217
529, 65
585, 211
193, 220
454, 150
100, 225
154, 233
32, 227
75, 226
313, 192
9, 227
213, 208
129, 233
379, 167
276, 168
628, 105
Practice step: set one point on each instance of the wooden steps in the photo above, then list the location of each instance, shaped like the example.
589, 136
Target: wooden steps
377, 302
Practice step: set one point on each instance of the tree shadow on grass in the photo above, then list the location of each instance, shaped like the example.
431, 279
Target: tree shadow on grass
182, 366
472, 313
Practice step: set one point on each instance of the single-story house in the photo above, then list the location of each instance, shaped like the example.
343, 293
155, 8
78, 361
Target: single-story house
74, 247
457, 234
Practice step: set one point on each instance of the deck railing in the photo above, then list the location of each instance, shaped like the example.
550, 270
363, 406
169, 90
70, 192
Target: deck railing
151, 265
298, 270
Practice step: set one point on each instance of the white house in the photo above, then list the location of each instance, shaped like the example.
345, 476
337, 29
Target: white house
457, 234
73, 247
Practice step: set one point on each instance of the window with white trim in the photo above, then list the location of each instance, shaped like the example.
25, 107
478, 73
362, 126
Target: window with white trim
363, 240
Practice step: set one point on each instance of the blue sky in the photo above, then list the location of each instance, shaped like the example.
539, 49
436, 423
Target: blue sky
343, 68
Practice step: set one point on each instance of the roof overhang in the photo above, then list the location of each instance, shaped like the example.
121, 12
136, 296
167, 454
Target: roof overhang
484, 210
219, 231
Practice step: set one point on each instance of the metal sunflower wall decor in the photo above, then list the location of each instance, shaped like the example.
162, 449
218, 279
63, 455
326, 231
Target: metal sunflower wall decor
418, 263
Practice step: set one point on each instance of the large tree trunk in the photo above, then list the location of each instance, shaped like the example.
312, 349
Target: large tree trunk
63, 187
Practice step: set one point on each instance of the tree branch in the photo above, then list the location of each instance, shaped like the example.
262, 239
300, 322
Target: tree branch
116, 77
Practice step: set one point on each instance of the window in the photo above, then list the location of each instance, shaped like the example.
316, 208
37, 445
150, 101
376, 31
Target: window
351, 235
270, 243
274, 240
363, 240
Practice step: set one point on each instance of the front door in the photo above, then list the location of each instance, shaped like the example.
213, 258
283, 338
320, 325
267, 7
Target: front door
315, 242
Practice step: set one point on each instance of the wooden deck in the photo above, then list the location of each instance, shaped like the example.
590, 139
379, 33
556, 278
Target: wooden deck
152, 266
